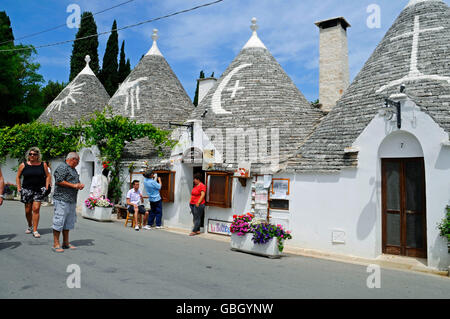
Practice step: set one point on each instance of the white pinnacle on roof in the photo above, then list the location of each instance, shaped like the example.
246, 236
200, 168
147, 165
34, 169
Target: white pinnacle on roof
154, 49
254, 41
414, 2
87, 70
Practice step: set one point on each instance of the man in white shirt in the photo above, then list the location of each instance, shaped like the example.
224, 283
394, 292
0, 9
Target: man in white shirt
134, 202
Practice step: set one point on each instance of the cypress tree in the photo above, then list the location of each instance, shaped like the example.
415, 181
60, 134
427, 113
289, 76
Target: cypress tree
124, 66
109, 75
202, 76
81, 48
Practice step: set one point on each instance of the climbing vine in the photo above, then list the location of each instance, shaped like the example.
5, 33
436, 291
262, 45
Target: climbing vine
106, 131
110, 133
53, 141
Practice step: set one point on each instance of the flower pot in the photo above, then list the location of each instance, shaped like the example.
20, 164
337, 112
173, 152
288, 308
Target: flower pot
101, 214
246, 244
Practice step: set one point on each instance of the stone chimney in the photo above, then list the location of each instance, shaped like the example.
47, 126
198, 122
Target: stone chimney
334, 74
204, 85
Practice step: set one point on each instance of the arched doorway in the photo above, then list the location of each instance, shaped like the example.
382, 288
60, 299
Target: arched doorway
87, 171
403, 196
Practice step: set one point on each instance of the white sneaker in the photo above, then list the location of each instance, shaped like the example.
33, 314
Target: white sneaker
136, 228
147, 227
159, 227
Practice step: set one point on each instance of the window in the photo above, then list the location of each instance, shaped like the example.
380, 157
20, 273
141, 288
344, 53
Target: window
168, 185
219, 189
281, 204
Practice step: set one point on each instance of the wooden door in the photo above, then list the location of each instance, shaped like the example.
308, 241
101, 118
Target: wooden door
404, 207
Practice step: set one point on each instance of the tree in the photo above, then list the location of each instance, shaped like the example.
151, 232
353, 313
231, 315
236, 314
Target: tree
88, 46
109, 75
20, 83
124, 67
202, 76
51, 91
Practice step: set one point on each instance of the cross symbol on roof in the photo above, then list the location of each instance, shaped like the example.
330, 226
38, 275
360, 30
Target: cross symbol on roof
234, 89
414, 73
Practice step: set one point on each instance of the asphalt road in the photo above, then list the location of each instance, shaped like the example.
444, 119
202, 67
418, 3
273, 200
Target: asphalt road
118, 262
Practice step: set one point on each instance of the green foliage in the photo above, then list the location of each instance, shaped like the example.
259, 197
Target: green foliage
110, 133
124, 67
109, 75
444, 226
53, 141
51, 91
88, 46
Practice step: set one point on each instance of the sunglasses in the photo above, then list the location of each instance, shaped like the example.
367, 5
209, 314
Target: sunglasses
33, 154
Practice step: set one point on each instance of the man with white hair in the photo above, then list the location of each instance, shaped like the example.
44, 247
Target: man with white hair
2, 187
67, 185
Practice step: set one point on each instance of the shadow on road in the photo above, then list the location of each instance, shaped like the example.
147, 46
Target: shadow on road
83, 242
45, 231
7, 237
12, 245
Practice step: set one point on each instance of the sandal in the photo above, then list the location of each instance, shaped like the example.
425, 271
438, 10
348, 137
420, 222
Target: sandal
29, 230
70, 246
193, 234
57, 249
36, 234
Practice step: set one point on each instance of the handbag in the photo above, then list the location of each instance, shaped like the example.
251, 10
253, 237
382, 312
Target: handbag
47, 191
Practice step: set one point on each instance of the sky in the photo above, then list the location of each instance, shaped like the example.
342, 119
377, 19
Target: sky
208, 38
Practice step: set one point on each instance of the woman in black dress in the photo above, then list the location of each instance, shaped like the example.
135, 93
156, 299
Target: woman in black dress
34, 187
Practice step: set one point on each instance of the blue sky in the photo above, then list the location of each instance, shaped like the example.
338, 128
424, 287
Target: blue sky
209, 38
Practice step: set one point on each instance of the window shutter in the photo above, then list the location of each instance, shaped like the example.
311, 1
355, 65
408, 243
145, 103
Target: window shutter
168, 185
219, 189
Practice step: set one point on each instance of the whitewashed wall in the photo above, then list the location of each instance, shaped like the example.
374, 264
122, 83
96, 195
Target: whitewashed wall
350, 201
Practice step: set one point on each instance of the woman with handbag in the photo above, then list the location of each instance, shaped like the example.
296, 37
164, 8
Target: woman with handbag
34, 187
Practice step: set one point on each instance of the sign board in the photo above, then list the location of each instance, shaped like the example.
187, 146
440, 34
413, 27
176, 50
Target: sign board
219, 227
280, 188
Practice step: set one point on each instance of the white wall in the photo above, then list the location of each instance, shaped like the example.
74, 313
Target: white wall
350, 201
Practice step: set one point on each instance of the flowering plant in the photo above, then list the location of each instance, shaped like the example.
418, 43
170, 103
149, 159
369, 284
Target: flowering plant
105, 164
241, 224
263, 232
93, 202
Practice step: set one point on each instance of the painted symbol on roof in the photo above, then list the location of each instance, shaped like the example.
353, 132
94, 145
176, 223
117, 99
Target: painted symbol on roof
414, 73
130, 89
69, 93
216, 102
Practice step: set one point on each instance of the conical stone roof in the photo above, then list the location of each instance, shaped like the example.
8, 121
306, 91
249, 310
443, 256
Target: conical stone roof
254, 93
80, 98
151, 94
416, 52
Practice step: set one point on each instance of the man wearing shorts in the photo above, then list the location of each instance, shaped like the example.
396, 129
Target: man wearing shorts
67, 185
134, 202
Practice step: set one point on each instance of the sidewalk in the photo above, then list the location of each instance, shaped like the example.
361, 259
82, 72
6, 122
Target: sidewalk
384, 261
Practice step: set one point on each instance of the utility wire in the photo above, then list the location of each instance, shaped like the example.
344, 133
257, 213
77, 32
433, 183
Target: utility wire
63, 25
118, 29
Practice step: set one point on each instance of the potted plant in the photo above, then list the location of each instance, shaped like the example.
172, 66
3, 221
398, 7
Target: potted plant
99, 209
444, 228
257, 236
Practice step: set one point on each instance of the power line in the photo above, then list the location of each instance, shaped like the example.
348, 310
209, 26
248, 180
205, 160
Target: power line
118, 29
63, 25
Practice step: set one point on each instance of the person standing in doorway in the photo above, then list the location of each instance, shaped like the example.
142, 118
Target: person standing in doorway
197, 203
67, 185
152, 187
2, 187
33, 189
